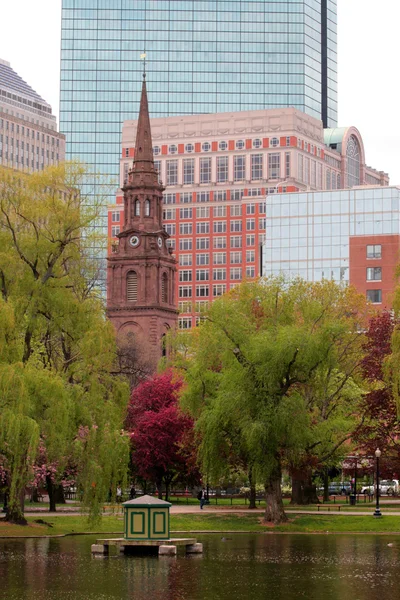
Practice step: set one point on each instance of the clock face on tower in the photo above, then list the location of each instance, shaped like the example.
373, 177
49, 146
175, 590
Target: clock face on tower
159, 242
134, 241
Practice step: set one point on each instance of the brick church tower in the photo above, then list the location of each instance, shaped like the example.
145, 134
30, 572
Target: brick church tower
141, 269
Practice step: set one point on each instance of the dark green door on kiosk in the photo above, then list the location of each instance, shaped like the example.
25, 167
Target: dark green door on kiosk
146, 518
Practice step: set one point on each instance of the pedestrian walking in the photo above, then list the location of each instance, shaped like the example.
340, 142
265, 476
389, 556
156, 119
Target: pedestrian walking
119, 494
202, 496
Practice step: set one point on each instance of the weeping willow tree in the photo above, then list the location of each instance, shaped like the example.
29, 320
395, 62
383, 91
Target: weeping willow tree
57, 351
254, 370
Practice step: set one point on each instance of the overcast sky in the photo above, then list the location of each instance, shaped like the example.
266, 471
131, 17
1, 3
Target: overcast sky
369, 81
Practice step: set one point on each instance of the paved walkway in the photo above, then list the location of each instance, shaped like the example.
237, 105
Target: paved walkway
177, 509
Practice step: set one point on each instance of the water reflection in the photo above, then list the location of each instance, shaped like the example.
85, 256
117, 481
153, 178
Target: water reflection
263, 567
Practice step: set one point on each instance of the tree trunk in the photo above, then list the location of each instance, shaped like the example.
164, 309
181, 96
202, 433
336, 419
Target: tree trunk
51, 491
303, 489
326, 486
59, 494
167, 484
159, 488
15, 510
274, 511
5, 501
16, 517
252, 503
35, 495
310, 491
297, 491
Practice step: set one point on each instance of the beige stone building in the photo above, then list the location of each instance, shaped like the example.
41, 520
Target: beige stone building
29, 139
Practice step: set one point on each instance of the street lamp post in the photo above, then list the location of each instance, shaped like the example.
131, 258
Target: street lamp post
377, 512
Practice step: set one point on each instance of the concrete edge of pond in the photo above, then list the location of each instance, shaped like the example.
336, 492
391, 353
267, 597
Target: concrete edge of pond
201, 532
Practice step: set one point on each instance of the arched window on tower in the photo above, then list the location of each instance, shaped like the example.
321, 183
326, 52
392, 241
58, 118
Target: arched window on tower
163, 345
164, 288
132, 287
353, 155
137, 208
147, 208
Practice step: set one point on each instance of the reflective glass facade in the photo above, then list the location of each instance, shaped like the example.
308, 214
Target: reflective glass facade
204, 56
309, 234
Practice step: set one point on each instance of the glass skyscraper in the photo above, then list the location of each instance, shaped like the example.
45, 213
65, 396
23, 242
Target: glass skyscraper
204, 56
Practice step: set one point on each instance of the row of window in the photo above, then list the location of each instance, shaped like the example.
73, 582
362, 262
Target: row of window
222, 145
235, 273
203, 212
235, 242
19, 151
226, 169
12, 142
185, 260
186, 306
186, 322
219, 258
218, 289
203, 291
220, 195
13, 160
27, 132
241, 144
203, 227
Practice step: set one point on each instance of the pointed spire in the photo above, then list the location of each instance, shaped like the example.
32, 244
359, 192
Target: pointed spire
144, 160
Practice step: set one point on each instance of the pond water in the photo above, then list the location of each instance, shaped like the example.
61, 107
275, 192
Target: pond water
255, 567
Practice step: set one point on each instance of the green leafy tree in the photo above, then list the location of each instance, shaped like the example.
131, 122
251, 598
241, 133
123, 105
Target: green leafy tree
57, 351
252, 366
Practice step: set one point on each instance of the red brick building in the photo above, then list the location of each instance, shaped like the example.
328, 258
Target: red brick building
141, 269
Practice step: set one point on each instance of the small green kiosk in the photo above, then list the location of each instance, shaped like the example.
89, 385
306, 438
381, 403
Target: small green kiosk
146, 518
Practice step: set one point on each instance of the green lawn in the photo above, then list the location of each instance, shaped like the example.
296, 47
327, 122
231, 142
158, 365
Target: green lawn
237, 503
209, 522
296, 524
340, 524
55, 525
241, 503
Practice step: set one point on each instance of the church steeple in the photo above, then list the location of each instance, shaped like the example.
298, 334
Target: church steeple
143, 164
143, 210
141, 268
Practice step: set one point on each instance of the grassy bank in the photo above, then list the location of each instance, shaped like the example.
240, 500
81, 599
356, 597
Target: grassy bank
296, 524
60, 525
56, 525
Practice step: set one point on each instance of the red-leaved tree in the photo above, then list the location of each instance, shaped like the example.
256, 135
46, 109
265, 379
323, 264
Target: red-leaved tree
379, 426
162, 437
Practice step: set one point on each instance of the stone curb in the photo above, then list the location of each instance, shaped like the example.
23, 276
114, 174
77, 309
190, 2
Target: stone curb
202, 532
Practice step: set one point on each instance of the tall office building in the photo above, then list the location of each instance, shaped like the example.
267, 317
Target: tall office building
29, 139
205, 56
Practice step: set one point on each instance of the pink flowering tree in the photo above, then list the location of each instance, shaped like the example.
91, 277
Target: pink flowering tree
51, 476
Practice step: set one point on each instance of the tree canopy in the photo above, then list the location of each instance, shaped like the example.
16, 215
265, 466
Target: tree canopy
161, 435
270, 358
57, 351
